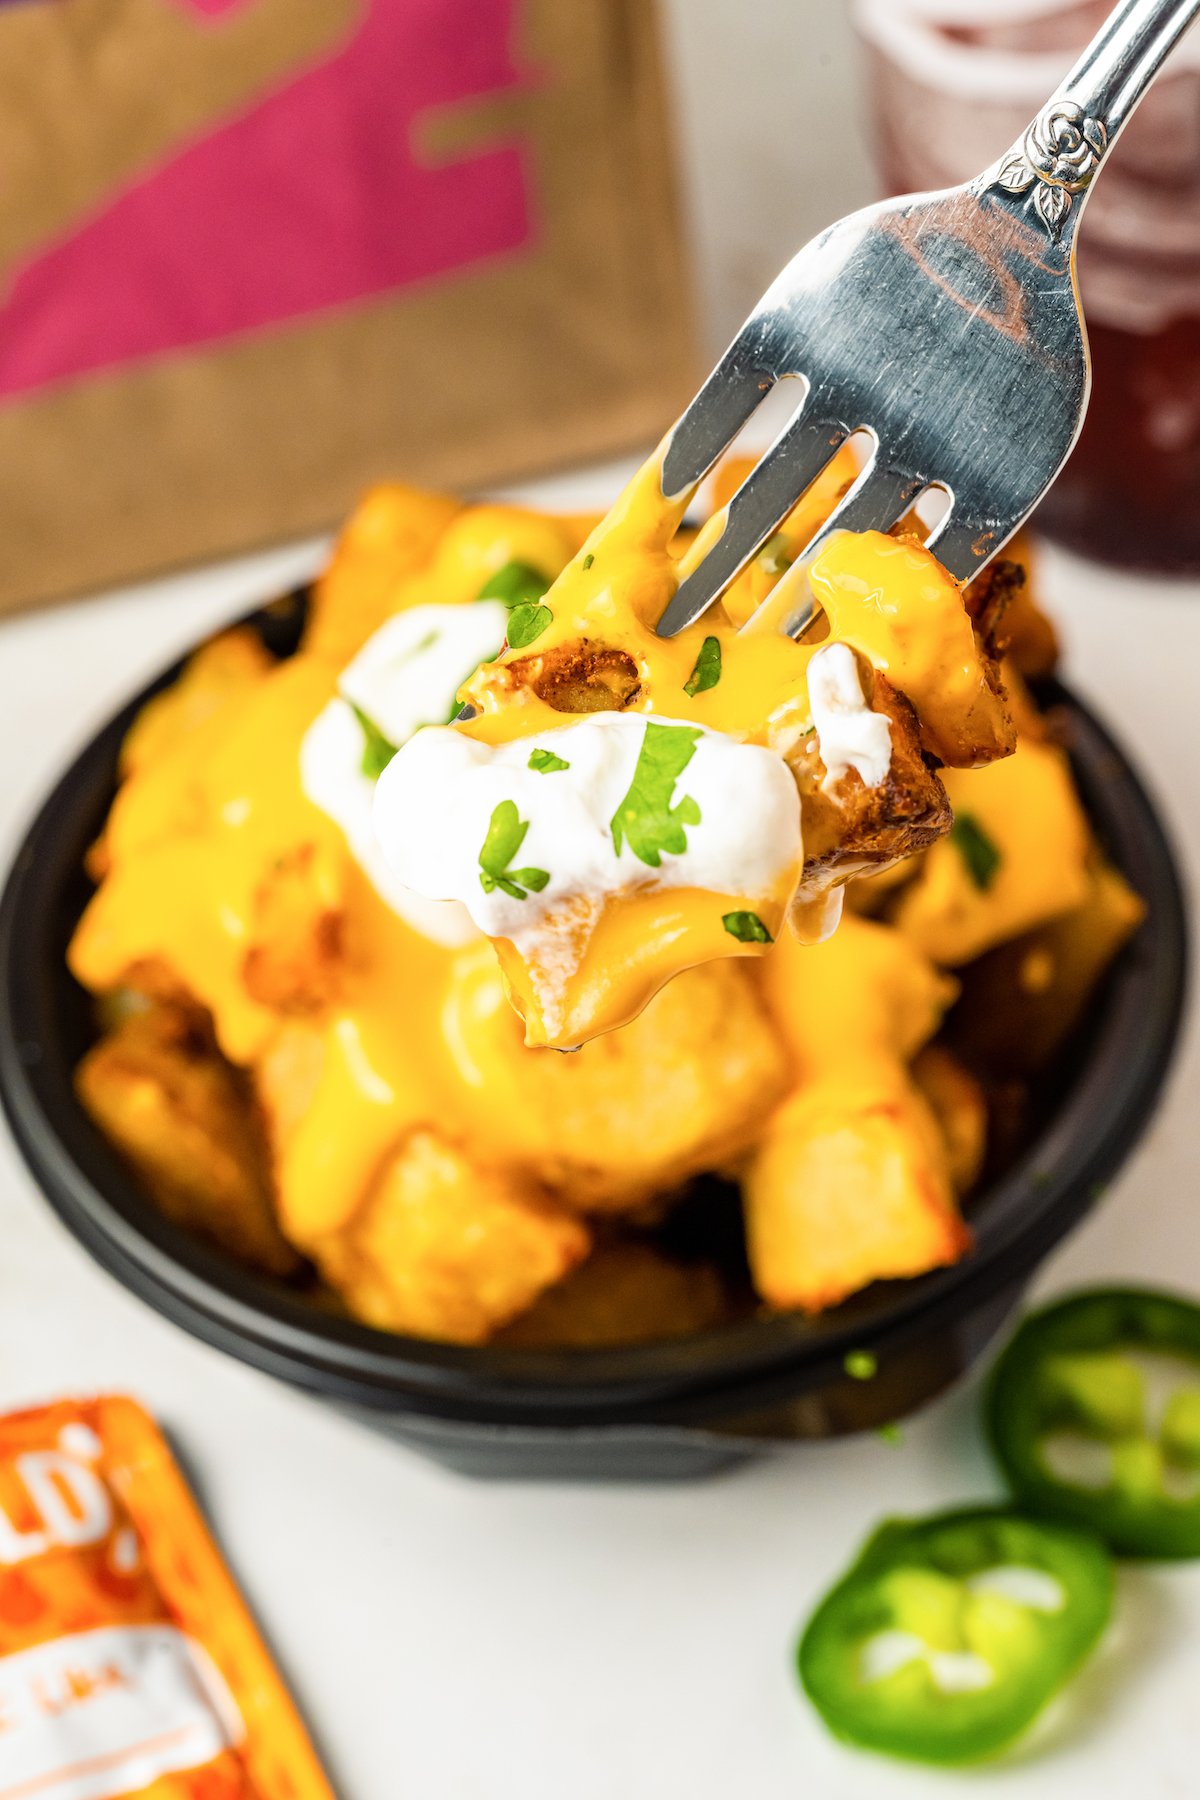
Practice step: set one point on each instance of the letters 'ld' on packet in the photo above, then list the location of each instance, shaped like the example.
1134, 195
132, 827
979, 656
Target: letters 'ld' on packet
129, 1663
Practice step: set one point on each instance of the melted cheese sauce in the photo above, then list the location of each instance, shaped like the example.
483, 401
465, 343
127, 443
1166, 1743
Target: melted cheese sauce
195, 839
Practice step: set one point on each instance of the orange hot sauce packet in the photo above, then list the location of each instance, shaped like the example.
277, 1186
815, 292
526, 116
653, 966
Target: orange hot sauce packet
129, 1664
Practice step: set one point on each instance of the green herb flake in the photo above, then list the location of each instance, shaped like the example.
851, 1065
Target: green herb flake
775, 558
746, 927
707, 671
526, 623
505, 835
861, 1365
515, 583
891, 1434
378, 751
588, 560
646, 819
544, 762
978, 851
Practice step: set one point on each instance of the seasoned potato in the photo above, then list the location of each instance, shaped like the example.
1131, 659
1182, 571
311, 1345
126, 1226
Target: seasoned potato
1016, 857
625, 1293
446, 1248
391, 532
1023, 1000
297, 951
850, 1182
863, 995
160, 1091
862, 829
849, 1186
220, 671
635, 1112
959, 1105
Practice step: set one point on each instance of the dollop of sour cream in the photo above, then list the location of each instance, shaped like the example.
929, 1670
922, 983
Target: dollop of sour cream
407, 675
849, 734
556, 795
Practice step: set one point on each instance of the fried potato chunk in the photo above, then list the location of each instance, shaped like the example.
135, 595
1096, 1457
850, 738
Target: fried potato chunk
1023, 1000
164, 1096
446, 1248
892, 602
850, 1186
850, 1182
222, 670
625, 1293
960, 1108
297, 952
860, 830
391, 532
1016, 856
635, 1112
1004, 610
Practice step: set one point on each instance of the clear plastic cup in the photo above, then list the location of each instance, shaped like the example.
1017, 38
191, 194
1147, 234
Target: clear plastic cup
952, 84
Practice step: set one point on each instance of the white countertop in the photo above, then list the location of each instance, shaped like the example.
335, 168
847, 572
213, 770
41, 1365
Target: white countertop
452, 1639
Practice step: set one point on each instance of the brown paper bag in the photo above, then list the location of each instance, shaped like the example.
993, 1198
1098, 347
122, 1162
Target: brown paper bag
257, 253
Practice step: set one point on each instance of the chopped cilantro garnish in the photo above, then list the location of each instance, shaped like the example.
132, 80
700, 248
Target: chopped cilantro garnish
525, 623
861, 1365
505, 835
588, 560
377, 750
707, 671
978, 851
775, 557
746, 927
515, 583
544, 762
646, 817
891, 1434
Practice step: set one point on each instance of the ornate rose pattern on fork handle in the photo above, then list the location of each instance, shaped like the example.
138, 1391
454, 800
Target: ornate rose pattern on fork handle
1059, 156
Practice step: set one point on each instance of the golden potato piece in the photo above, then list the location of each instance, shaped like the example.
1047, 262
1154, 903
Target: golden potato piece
1003, 607
391, 532
860, 830
959, 1105
220, 671
447, 1249
297, 952
1023, 1000
849, 1186
865, 995
165, 1098
1016, 856
625, 1293
635, 1112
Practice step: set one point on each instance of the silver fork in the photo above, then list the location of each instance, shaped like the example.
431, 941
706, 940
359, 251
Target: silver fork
947, 326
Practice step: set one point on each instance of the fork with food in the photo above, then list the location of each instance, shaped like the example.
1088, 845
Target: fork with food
675, 752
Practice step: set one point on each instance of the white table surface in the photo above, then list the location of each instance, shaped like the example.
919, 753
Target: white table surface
450, 1639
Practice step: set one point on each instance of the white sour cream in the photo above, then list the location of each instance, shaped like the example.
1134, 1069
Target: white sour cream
436, 800
407, 675
849, 734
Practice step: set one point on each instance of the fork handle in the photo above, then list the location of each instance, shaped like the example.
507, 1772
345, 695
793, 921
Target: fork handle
1069, 141
1123, 58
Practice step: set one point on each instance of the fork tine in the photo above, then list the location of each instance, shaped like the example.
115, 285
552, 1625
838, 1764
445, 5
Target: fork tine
880, 497
805, 446
734, 390
963, 548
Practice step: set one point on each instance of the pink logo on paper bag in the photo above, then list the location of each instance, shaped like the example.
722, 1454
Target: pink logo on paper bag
314, 199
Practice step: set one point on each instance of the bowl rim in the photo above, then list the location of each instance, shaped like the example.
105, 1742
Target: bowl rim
1017, 1218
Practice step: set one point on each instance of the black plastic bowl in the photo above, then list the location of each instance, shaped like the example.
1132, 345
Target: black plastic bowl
669, 1409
